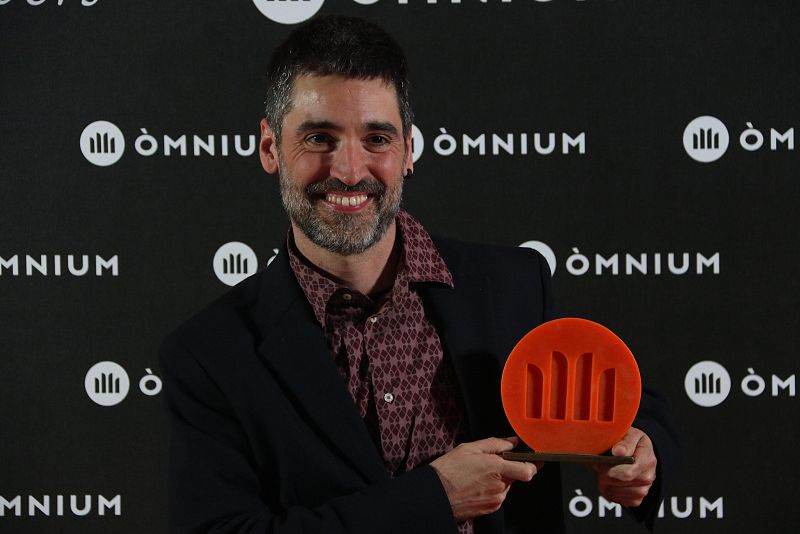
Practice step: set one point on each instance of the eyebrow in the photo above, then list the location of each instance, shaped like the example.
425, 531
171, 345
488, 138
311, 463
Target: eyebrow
309, 125
381, 126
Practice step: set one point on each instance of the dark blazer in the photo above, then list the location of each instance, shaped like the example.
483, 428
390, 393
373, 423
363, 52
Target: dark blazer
265, 437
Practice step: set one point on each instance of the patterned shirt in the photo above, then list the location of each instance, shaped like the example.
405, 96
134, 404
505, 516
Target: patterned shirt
389, 354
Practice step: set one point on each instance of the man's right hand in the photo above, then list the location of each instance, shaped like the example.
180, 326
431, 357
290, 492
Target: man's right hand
476, 479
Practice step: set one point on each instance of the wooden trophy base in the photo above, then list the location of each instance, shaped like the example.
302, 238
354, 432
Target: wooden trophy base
562, 457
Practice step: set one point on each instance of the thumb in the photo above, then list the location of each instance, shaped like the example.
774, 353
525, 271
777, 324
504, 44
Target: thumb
627, 445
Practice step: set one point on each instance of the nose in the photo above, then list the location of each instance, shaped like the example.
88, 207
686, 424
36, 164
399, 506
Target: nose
349, 162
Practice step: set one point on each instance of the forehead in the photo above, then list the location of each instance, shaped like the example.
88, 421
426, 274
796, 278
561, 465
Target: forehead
343, 99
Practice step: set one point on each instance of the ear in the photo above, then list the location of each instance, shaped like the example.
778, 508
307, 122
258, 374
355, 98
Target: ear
408, 163
268, 149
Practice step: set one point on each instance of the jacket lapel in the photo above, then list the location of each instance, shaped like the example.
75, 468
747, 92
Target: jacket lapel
465, 322
295, 350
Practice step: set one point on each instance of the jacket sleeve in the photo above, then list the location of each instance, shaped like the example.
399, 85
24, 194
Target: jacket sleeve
654, 420
215, 485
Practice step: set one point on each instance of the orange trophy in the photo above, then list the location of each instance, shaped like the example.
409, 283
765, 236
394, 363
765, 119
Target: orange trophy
570, 390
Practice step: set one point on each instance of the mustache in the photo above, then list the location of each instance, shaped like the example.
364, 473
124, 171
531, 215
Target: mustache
369, 186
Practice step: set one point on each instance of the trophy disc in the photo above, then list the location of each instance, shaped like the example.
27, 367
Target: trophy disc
571, 386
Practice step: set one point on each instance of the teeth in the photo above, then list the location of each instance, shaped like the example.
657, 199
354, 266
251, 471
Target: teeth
346, 200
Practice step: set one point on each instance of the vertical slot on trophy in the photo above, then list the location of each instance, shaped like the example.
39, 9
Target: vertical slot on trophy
605, 394
533, 392
558, 386
583, 386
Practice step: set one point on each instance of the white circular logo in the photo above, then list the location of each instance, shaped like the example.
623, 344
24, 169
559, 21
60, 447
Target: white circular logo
545, 251
107, 383
275, 253
705, 139
417, 143
288, 11
707, 383
102, 143
365, 2
233, 262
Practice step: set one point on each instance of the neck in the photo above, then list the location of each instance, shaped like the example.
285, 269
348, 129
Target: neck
371, 271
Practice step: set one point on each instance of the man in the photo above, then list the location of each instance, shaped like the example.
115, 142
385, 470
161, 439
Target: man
353, 385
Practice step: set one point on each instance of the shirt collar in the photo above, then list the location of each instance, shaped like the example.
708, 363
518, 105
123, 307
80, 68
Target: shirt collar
420, 262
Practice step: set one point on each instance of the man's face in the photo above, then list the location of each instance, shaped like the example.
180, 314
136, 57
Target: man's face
341, 161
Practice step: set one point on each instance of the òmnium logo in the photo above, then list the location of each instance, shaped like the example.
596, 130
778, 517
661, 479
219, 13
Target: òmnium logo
288, 11
631, 264
107, 383
60, 505
707, 383
233, 262
102, 143
681, 508
84, 3
545, 251
58, 265
275, 253
417, 143
705, 139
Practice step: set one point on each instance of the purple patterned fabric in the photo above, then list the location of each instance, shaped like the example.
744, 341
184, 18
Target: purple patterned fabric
390, 355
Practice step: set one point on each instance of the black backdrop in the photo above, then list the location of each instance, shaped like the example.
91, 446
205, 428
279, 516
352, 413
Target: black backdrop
98, 262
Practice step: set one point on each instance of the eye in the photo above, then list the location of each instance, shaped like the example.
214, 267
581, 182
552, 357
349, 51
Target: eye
378, 140
319, 142
318, 139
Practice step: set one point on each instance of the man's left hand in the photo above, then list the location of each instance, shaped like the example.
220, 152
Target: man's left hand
628, 484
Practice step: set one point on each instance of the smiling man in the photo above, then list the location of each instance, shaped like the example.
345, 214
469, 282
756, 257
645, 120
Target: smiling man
341, 160
353, 385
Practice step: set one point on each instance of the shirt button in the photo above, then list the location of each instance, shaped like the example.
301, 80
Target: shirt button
347, 296
388, 397
373, 319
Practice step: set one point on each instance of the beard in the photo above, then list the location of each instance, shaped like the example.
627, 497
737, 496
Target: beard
341, 233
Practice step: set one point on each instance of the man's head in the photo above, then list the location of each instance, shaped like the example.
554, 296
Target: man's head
338, 132
335, 46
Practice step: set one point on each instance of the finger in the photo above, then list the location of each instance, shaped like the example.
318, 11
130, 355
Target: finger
537, 465
522, 471
631, 501
600, 469
627, 445
643, 467
643, 477
623, 473
495, 445
626, 496
614, 483
628, 491
644, 453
